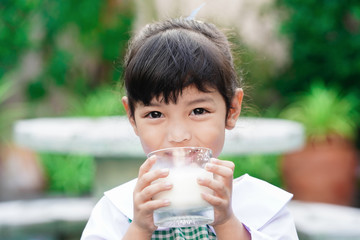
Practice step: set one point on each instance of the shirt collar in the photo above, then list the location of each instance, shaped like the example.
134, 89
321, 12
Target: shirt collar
254, 201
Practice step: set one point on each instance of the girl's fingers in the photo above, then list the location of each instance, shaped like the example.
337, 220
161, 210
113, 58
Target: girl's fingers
224, 170
217, 186
150, 206
221, 184
144, 201
149, 192
224, 163
147, 178
213, 200
147, 165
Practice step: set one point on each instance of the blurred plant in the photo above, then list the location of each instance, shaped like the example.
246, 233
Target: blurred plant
4, 117
324, 40
69, 174
14, 37
104, 101
325, 112
74, 45
8, 112
329, 157
265, 167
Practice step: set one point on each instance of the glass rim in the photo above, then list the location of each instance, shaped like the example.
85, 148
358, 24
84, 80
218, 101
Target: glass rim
170, 148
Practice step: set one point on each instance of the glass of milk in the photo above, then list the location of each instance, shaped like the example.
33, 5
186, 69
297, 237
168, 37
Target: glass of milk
187, 208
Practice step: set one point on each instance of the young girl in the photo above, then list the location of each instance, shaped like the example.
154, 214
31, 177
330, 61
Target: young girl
182, 90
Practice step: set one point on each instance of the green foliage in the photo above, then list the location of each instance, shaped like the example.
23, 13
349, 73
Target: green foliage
324, 111
14, 29
324, 42
8, 112
69, 174
74, 47
5, 93
5, 90
104, 101
265, 167
77, 43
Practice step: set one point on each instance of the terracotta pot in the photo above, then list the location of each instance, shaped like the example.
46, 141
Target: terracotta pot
324, 171
21, 173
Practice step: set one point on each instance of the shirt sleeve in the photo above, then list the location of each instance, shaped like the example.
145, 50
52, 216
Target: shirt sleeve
105, 222
280, 227
262, 208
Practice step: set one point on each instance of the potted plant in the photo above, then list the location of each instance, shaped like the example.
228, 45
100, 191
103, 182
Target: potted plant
325, 169
21, 175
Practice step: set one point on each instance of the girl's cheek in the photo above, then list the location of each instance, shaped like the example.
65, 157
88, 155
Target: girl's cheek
151, 140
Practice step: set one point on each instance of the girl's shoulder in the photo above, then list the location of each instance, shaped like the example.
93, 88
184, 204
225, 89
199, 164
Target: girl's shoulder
255, 201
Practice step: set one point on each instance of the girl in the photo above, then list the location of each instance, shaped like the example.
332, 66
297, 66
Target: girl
182, 90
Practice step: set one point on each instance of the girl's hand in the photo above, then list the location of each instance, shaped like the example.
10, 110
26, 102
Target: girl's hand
221, 184
144, 205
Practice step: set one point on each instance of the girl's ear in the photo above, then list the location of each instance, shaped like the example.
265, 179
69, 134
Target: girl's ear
235, 109
125, 102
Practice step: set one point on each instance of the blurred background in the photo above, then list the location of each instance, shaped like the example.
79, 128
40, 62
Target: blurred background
298, 60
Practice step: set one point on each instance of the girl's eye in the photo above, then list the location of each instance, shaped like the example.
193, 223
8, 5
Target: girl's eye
154, 114
199, 111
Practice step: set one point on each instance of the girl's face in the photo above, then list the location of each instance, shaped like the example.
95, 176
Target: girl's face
198, 119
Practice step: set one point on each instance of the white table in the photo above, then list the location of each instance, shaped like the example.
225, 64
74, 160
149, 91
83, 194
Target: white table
50, 218
114, 137
322, 221
118, 150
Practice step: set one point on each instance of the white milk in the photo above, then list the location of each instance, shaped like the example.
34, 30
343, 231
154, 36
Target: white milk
186, 192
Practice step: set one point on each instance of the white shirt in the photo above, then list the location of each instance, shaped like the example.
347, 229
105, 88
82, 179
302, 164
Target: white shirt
260, 206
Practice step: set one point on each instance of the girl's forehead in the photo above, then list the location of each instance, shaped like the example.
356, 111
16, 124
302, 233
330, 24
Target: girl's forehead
189, 94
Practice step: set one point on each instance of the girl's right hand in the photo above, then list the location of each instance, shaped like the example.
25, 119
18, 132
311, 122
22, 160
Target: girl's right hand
144, 191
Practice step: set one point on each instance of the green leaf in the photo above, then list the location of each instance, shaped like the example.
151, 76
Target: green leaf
324, 111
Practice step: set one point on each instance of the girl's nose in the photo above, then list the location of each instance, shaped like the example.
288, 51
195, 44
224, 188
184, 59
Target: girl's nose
178, 133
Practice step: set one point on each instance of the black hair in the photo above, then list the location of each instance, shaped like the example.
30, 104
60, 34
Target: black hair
166, 57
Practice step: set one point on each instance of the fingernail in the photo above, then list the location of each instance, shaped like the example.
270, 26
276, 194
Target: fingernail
203, 195
209, 166
168, 184
164, 170
166, 202
200, 179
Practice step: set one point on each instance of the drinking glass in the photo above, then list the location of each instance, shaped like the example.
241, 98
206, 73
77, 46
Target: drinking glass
187, 208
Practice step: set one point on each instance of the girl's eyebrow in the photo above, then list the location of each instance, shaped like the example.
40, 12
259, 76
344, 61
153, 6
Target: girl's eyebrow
200, 100
190, 102
153, 104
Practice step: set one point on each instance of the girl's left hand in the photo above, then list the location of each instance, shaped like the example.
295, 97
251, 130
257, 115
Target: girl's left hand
221, 184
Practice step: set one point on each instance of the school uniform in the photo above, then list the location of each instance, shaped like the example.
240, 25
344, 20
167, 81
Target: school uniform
260, 206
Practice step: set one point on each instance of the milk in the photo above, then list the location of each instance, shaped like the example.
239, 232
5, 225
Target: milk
187, 208
186, 192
